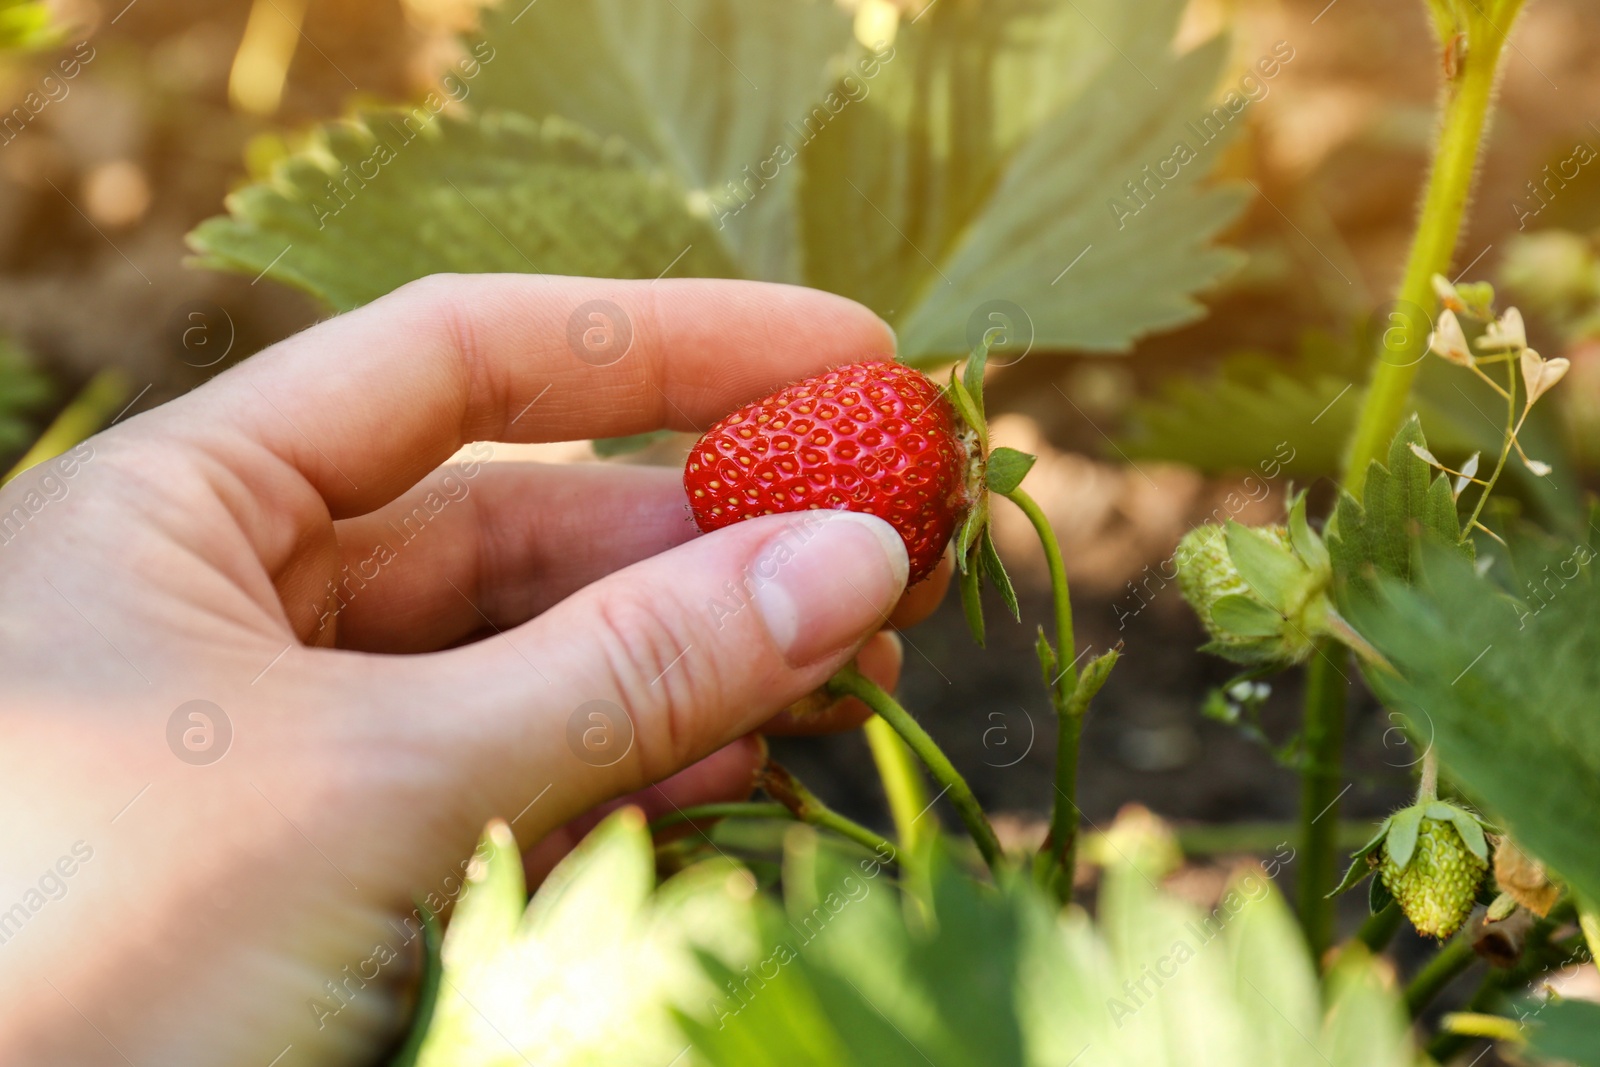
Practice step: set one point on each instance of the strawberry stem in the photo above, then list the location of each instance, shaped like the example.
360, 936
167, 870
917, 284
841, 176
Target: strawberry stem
903, 785
1064, 815
851, 682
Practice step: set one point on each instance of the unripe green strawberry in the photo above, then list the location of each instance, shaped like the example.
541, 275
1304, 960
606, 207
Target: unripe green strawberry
1437, 888
1261, 592
1206, 574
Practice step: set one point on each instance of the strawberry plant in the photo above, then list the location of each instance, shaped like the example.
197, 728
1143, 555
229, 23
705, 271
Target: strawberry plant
935, 167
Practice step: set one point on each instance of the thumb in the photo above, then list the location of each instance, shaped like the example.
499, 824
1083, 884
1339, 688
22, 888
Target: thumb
656, 666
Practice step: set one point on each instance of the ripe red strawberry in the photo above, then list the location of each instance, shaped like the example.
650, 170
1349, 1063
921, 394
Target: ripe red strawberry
877, 438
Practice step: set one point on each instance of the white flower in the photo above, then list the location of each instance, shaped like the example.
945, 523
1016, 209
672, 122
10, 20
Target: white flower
1540, 374
1449, 341
1507, 332
1447, 294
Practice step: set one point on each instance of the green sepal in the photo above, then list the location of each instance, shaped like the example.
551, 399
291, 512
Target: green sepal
972, 378
1245, 616
1269, 568
1310, 548
967, 537
968, 409
1006, 469
1378, 896
996, 571
1471, 831
1401, 844
1359, 868
971, 582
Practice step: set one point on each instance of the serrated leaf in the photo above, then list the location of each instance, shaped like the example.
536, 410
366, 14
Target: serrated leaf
1404, 825
1401, 504
1006, 469
980, 172
1244, 616
1509, 693
1268, 567
504, 193
718, 93
996, 570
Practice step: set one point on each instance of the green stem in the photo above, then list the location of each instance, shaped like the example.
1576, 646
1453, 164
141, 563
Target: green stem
1065, 815
83, 417
1467, 105
1320, 788
1536, 960
1067, 681
1380, 927
809, 808
851, 682
1448, 964
903, 786
1505, 451
712, 812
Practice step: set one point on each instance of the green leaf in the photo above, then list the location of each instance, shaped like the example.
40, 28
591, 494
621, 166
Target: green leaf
594, 968
996, 572
1505, 689
718, 93
1244, 616
1401, 504
1007, 467
1566, 1031
981, 172
503, 194
1359, 868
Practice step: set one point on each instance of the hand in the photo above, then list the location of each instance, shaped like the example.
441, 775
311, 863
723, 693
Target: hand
222, 881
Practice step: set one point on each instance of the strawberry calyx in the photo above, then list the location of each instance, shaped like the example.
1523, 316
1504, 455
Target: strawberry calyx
998, 471
1430, 857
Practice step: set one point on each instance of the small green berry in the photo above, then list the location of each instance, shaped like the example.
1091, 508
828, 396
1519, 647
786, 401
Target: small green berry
1438, 886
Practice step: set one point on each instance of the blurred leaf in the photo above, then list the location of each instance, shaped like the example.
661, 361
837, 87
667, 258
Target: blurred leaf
23, 391
502, 194
986, 159
1567, 1031
28, 26
985, 977
589, 973
1504, 691
705, 89
609, 447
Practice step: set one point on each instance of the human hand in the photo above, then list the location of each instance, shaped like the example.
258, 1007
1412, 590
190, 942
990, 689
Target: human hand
238, 886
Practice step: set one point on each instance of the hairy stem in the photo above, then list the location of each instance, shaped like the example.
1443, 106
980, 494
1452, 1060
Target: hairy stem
713, 812
1320, 788
851, 682
1468, 101
1064, 815
903, 786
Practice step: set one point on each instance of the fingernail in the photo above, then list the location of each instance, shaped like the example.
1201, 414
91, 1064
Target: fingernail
826, 580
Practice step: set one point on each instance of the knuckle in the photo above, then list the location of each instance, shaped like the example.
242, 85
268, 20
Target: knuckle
647, 642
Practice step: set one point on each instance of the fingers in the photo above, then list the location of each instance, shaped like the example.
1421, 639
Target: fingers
664, 662
493, 545
879, 659
487, 546
363, 405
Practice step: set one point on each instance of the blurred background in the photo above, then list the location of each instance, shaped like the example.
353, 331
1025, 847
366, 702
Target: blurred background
173, 104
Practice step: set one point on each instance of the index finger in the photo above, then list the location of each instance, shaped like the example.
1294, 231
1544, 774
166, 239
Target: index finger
365, 404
